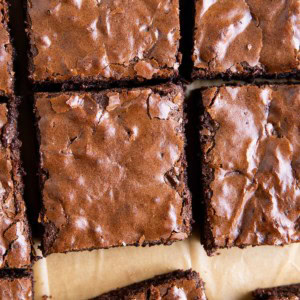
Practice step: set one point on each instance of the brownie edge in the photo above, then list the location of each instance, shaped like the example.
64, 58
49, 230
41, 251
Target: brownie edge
284, 292
178, 284
14, 228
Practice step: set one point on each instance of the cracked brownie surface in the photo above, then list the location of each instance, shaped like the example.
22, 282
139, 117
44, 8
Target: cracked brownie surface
251, 147
15, 246
6, 57
113, 168
104, 40
16, 286
175, 285
246, 37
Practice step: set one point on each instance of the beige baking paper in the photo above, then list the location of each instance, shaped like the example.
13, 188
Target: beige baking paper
231, 275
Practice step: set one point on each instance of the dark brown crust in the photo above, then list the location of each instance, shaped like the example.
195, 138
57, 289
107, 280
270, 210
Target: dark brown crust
142, 287
10, 49
206, 122
10, 139
280, 291
71, 86
50, 230
92, 82
89, 82
247, 74
16, 274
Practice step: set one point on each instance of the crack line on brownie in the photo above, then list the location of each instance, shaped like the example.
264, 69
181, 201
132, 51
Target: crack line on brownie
254, 17
214, 97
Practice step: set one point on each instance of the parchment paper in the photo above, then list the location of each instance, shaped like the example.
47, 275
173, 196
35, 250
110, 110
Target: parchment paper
231, 275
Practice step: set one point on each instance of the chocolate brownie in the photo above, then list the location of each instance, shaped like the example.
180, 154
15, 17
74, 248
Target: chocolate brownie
175, 285
15, 246
6, 52
104, 41
285, 292
16, 286
246, 38
112, 168
250, 165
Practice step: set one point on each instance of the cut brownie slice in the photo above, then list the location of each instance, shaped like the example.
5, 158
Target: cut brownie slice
285, 292
176, 285
86, 41
246, 38
16, 286
15, 246
113, 168
250, 165
6, 53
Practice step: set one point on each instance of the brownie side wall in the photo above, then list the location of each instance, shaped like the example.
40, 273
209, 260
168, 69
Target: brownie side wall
32, 51
281, 291
50, 231
11, 140
206, 122
15, 274
142, 287
92, 82
248, 74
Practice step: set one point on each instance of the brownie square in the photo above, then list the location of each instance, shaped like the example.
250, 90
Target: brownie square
6, 53
112, 168
87, 40
15, 245
285, 292
16, 286
246, 38
250, 142
175, 285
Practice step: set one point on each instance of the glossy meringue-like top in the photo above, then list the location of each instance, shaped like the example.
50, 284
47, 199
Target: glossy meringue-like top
104, 40
114, 165
14, 243
254, 154
233, 36
6, 68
